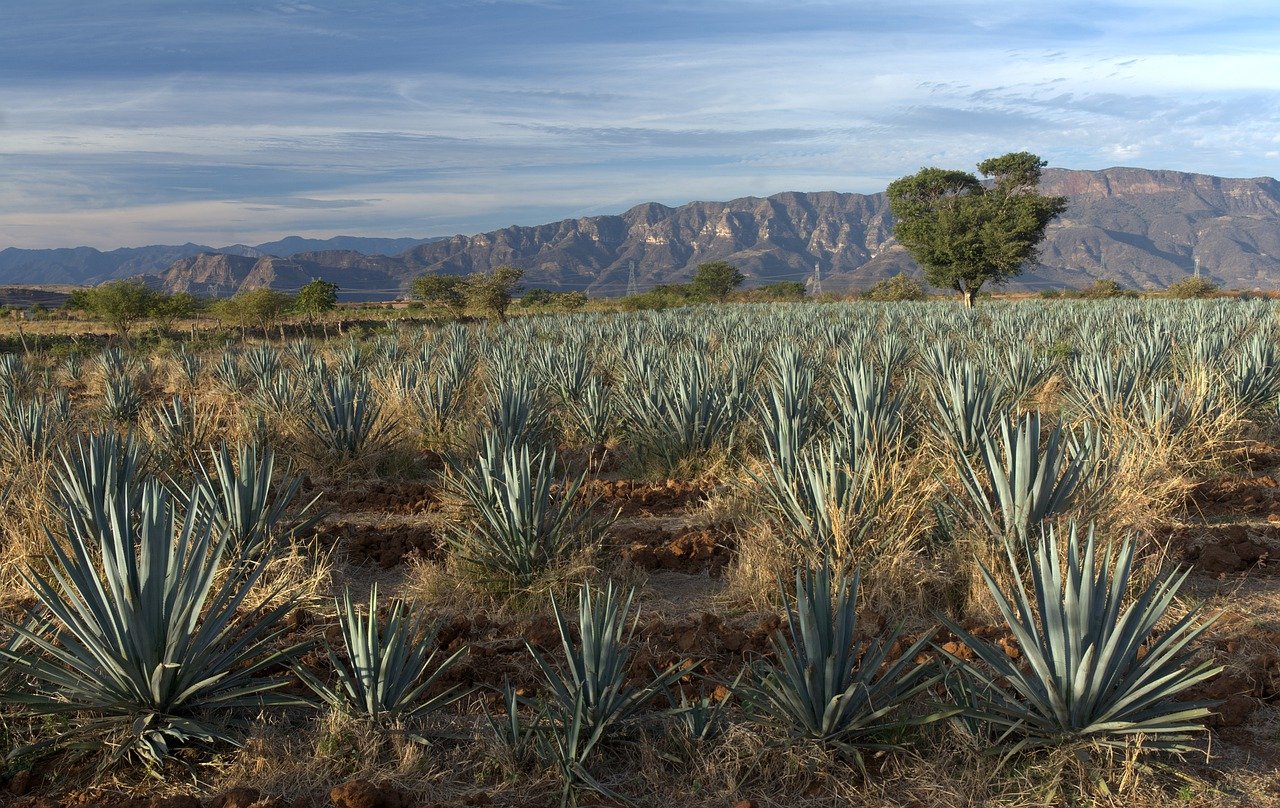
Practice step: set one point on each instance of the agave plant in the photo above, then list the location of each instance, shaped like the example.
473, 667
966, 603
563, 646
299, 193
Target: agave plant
28, 429
830, 687
1254, 376
121, 399
387, 667
189, 366
822, 504
965, 401
144, 640
98, 481
73, 367
113, 362
263, 362
789, 416
526, 520
868, 415
246, 504
229, 373
14, 374
1102, 388
280, 394
1027, 484
683, 411
347, 419
1095, 669
593, 699
179, 430
517, 414
592, 413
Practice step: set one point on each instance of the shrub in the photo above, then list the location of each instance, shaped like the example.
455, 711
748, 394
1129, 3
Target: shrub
1192, 287
1104, 288
896, 289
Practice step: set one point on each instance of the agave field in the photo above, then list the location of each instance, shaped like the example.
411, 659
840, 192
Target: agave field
789, 554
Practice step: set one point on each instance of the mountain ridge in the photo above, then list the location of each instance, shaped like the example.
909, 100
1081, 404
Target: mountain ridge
1145, 228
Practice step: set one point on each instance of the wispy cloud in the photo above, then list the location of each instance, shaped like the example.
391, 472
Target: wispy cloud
137, 121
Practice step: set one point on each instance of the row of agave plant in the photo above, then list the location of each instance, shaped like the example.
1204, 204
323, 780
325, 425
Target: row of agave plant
143, 630
150, 633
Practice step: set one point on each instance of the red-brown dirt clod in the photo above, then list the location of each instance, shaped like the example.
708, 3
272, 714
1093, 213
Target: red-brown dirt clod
364, 794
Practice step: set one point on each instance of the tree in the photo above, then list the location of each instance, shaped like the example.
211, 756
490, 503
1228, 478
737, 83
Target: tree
494, 291
966, 233
716, 279
441, 291
315, 298
258, 308
168, 309
121, 304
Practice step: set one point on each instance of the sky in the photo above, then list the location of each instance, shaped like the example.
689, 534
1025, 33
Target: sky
132, 122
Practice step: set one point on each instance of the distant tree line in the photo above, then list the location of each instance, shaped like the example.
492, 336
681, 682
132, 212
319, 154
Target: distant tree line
123, 304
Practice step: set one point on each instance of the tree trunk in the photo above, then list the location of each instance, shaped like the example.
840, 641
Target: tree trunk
970, 297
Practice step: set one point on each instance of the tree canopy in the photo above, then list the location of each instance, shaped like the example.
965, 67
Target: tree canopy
965, 232
260, 308
121, 304
716, 279
441, 291
316, 298
493, 291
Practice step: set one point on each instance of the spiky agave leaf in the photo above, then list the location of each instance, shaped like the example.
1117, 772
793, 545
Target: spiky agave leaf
822, 504
593, 699
388, 665
830, 687
148, 638
243, 502
98, 479
526, 519
1094, 668
347, 411
1027, 484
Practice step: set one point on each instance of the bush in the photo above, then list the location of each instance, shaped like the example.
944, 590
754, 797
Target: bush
1104, 288
782, 291
662, 296
1193, 287
895, 289
546, 299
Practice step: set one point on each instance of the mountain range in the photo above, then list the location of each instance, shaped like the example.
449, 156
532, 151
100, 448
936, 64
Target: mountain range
1143, 228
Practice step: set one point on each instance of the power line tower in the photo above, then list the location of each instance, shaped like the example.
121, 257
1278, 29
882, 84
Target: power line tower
1197, 266
631, 279
817, 277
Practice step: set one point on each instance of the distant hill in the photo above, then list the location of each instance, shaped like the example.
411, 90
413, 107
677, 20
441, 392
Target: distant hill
1142, 228
85, 265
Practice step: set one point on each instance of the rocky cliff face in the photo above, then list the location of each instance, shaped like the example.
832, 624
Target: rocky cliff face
1145, 229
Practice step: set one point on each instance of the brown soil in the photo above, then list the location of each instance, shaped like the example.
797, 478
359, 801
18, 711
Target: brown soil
383, 544
1236, 496
1226, 549
381, 497
633, 498
688, 550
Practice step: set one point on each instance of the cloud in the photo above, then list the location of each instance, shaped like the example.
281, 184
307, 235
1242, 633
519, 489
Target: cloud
146, 121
